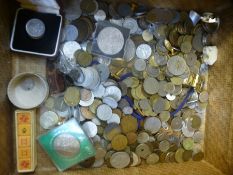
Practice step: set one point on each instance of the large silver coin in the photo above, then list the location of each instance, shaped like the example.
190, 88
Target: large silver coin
35, 28
110, 40
176, 65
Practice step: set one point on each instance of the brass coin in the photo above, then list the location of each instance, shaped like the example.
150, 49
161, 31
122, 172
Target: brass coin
164, 116
83, 58
72, 96
118, 112
128, 124
179, 155
86, 113
131, 137
119, 142
111, 130
196, 122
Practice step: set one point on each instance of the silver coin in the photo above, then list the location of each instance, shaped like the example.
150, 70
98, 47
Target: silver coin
152, 71
127, 110
90, 128
35, 28
104, 112
110, 40
88, 102
143, 51
159, 105
151, 85
70, 47
131, 24
120, 160
139, 65
103, 71
176, 65
48, 120
104, 60
100, 15
70, 33
66, 145
110, 102
99, 91
130, 50
114, 119
113, 92
96, 121
152, 124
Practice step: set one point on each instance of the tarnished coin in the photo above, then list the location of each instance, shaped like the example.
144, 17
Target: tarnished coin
152, 159
198, 136
198, 156
89, 7
152, 124
131, 24
93, 107
151, 85
177, 123
113, 92
159, 105
176, 65
88, 163
120, 160
152, 71
160, 60
186, 47
187, 155
83, 58
35, 28
104, 112
100, 152
48, 120
179, 155
144, 104
139, 65
70, 47
143, 137
143, 51
169, 87
119, 142
131, 137
195, 121
66, 145
164, 116
128, 124
124, 10
110, 40
143, 150
72, 96
90, 128
100, 15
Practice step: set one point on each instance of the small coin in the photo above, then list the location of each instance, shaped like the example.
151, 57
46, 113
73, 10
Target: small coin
131, 137
128, 124
86, 113
169, 87
100, 152
83, 58
187, 155
152, 159
144, 104
198, 136
90, 128
131, 24
70, 47
152, 124
188, 143
177, 80
70, 33
110, 45
196, 121
161, 60
143, 51
139, 65
93, 107
164, 146
135, 159
104, 112
186, 47
130, 50
86, 97
120, 160
143, 150
89, 7
203, 96
99, 91
176, 65
159, 105
124, 10
143, 137
100, 15
176, 123
48, 120
127, 110
119, 142
147, 35
151, 85
98, 163
114, 119
35, 28
72, 96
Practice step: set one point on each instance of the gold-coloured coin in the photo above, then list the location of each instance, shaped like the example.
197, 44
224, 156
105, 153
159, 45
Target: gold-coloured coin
83, 58
152, 61
111, 130
86, 113
133, 93
119, 62
164, 116
139, 92
196, 121
128, 124
188, 143
179, 155
72, 96
131, 137
119, 142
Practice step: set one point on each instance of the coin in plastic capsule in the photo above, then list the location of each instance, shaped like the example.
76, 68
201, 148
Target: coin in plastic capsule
35, 28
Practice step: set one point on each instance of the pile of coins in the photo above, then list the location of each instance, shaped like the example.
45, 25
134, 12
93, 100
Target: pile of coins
148, 106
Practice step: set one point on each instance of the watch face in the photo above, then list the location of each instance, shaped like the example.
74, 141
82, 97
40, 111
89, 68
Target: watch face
66, 145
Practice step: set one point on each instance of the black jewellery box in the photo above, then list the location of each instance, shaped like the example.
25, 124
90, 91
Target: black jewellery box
47, 44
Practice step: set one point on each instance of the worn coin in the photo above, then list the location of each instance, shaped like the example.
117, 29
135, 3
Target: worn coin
104, 112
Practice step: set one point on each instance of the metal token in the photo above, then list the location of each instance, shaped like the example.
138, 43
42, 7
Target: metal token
143, 51
120, 160
103, 71
176, 65
110, 40
113, 92
72, 96
70, 47
104, 112
70, 33
114, 119
110, 101
140, 65
131, 24
48, 120
100, 15
151, 85
152, 124
35, 28
90, 128
130, 50
66, 145
143, 150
